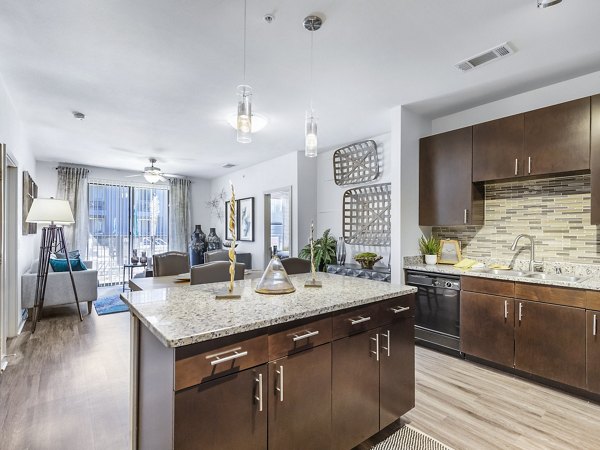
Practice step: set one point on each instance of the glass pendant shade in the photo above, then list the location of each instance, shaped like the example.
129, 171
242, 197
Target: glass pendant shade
244, 114
275, 280
310, 135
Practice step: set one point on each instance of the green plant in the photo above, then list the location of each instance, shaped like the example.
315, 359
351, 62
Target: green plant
367, 259
324, 248
429, 246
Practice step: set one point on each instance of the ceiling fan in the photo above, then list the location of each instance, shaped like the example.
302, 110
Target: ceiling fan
152, 174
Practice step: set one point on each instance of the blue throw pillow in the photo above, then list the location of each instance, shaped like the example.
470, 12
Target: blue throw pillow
60, 265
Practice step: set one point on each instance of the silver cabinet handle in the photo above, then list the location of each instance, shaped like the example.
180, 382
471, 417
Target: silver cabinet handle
516, 166
595, 325
259, 397
306, 335
465, 218
520, 312
506, 309
400, 309
360, 319
529, 164
376, 352
219, 360
387, 336
280, 388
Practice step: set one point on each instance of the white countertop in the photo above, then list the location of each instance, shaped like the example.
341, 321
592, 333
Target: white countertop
186, 315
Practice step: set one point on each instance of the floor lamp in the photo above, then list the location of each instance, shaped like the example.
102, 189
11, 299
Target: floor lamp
50, 211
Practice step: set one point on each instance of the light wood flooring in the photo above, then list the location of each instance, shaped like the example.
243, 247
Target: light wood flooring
67, 388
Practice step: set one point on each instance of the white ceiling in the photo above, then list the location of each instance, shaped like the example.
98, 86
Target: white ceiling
158, 77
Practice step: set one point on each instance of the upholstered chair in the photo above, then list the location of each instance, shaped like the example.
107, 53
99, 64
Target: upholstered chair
216, 255
170, 263
296, 265
214, 272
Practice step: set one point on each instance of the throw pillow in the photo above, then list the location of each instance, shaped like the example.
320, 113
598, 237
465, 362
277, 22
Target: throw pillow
60, 265
75, 254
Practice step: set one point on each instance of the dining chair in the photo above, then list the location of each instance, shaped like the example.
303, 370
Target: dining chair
296, 265
170, 263
216, 255
214, 272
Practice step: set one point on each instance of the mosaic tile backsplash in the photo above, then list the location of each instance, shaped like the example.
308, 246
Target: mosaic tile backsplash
555, 211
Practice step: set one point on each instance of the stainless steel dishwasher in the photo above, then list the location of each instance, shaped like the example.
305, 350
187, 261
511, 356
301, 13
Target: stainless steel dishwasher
437, 315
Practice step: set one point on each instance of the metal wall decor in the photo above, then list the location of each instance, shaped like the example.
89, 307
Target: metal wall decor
367, 213
356, 163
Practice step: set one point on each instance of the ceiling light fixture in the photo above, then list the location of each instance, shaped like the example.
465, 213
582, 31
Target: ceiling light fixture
258, 122
547, 3
244, 110
78, 115
312, 24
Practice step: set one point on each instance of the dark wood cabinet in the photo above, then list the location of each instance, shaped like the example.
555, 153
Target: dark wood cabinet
299, 396
557, 138
487, 324
593, 351
447, 194
595, 159
223, 413
396, 370
355, 389
498, 149
550, 342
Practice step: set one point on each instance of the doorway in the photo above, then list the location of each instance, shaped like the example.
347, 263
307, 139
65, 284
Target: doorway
278, 223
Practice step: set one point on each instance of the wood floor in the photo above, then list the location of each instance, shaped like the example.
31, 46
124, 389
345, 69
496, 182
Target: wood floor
67, 388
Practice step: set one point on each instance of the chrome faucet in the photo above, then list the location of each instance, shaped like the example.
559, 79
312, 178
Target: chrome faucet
532, 262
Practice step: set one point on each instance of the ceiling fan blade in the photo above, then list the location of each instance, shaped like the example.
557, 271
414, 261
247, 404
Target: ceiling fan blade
161, 178
169, 175
131, 176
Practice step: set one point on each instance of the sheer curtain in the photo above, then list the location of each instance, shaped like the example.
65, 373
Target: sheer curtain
180, 215
73, 186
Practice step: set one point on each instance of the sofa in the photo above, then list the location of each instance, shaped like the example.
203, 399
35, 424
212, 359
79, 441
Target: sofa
59, 290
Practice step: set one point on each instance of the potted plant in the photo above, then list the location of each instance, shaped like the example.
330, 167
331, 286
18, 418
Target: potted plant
367, 259
324, 251
430, 247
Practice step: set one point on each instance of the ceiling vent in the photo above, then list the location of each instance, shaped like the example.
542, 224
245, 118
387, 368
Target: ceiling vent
485, 57
228, 166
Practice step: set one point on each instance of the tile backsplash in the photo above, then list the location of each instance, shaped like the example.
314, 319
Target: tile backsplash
555, 211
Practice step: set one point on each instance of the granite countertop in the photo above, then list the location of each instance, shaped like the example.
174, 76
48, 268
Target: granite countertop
590, 282
186, 315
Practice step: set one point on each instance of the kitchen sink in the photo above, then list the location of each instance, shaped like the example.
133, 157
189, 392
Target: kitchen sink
509, 273
550, 277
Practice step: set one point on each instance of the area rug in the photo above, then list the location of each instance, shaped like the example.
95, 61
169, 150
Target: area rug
109, 305
409, 438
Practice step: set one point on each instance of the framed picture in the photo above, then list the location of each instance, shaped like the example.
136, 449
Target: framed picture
30, 190
246, 219
449, 252
228, 235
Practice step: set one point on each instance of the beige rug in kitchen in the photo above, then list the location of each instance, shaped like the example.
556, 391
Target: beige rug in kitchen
409, 438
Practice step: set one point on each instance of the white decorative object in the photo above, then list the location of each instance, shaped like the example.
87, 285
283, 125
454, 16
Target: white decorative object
431, 260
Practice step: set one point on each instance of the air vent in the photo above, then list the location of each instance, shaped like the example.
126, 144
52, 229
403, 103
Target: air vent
485, 57
228, 166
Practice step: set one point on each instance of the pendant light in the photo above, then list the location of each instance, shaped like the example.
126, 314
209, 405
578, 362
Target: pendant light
244, 109
311, 23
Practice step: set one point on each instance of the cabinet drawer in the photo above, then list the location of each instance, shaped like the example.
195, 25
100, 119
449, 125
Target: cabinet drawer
551, 294
397, 308
356, 320
216, 361
593, 300
503, 288
285, 340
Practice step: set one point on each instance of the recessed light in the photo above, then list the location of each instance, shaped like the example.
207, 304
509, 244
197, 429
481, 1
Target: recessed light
258, 122
547, 3
78, 115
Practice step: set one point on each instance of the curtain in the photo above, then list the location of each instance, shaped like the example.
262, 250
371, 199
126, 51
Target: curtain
180, 215
73, 186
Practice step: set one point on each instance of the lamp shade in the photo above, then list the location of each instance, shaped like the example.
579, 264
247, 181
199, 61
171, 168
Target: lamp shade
50, 210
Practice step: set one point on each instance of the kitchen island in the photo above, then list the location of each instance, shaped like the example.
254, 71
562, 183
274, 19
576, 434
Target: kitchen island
321, 368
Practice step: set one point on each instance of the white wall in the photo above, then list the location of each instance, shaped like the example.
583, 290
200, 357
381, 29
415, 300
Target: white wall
330, 196
306, 201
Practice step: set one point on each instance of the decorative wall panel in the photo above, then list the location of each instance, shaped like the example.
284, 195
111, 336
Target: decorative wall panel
367, 213
356, 163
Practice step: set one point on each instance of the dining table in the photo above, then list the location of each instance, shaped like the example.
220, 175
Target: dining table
149, 283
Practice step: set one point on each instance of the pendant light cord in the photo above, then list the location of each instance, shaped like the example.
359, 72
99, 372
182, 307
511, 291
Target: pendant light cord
245, 8
311, 71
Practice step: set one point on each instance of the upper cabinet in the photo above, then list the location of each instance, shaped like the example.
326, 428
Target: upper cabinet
498, 149
447, 195
595, 160
557, 138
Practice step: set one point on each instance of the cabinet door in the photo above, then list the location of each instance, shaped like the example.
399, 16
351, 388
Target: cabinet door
300, 401
355, 390
557, 138
224, 413
550, 342
498, 149
396, 370
487, 324
447, 195
595, 159
593, 351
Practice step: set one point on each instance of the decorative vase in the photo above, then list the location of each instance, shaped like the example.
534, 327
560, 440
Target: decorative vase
197, 246
213, 241
143, 258
134, 257
341, 251
431, 260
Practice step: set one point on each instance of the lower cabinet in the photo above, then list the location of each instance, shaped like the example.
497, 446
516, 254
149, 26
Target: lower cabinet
299, 401
225, 413
487, 324
593, 351
550, 341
